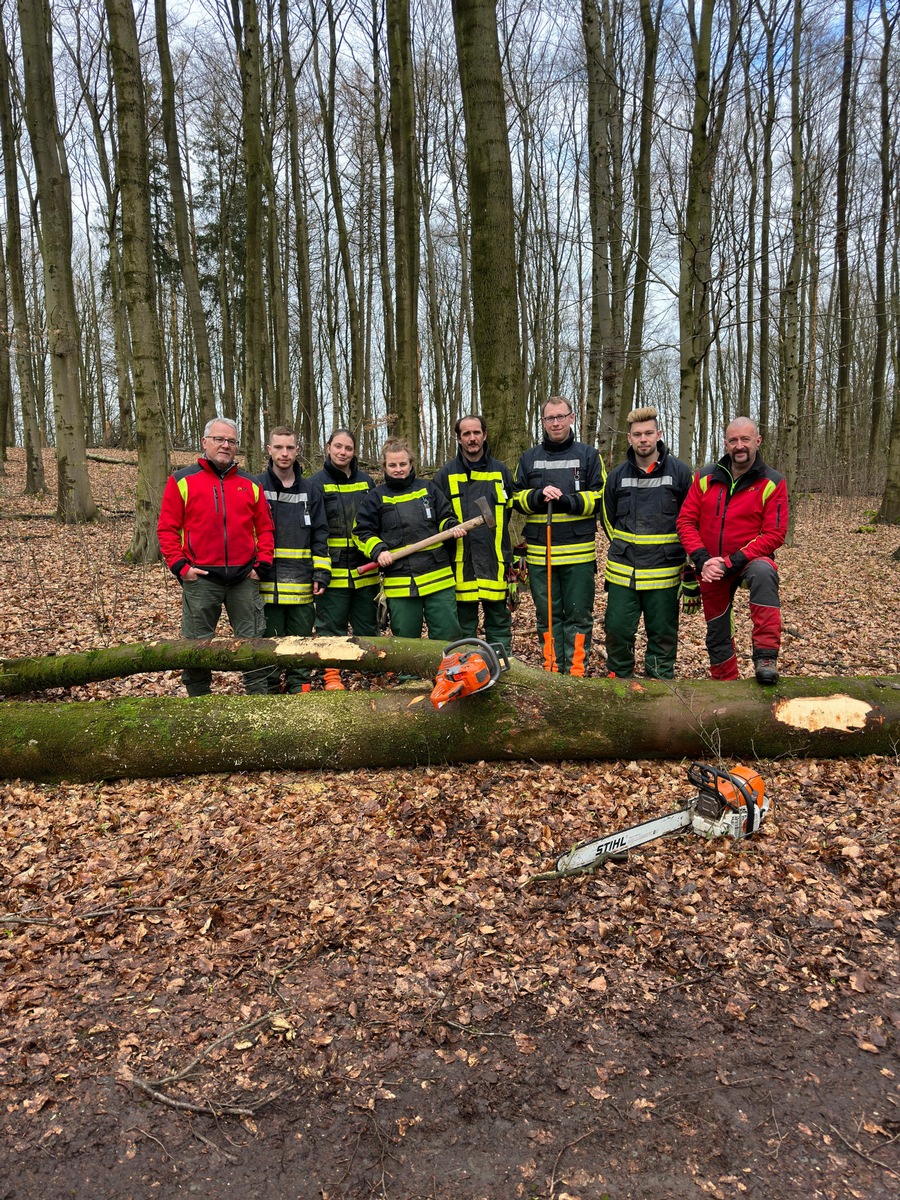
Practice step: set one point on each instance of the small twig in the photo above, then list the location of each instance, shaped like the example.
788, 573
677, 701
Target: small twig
145, 1133
210, 1109
671, 987
568, 1146
226, 1037
13, 919
856, 1150
232, 1158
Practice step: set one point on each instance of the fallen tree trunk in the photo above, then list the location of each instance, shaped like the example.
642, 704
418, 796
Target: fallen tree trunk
370, 655
528, 714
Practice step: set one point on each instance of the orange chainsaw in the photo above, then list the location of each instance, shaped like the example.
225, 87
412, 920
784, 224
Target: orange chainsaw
727, 804
462, 673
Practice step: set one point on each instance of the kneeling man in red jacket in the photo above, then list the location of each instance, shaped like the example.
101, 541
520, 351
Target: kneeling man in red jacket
734, 518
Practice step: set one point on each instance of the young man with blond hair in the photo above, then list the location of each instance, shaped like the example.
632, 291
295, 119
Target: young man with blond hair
641, 500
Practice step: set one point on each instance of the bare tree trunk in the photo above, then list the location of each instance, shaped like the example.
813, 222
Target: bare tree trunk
137, 259
74, 501
186, 261
493, 246
245, 21
21, 334
882, 309
842, 234
307, 400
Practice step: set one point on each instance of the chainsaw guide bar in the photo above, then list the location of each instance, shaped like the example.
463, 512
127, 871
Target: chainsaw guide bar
728, 804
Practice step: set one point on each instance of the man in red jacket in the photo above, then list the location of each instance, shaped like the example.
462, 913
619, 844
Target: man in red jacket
215, 532
734, 518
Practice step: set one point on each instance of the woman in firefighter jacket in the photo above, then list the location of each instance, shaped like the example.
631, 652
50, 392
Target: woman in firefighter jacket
558, 484
398, 512
349, 599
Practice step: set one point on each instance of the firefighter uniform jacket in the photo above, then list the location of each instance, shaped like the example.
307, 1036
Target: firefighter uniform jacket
215, 520
397, 513
737, 519
575, 469
639, 512
483, 555
301, 540
342, 496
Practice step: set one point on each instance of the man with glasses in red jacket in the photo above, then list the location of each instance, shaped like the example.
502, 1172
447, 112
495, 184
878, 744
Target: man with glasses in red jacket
215, 532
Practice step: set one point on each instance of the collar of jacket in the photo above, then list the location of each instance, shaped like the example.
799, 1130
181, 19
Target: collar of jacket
283, 487
208, 465
555, 447
754, 472
479, 464
337, 474
661, 450
399, 485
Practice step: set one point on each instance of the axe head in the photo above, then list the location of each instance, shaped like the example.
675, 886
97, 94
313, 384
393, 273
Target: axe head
486, 512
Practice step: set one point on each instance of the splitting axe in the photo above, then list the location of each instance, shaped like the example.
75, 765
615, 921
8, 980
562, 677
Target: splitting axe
486, 517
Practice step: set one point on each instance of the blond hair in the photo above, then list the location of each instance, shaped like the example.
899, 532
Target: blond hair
396, 445
642, 414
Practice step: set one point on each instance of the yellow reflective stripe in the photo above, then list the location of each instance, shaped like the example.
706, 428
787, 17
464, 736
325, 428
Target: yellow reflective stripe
480, 589
321, 562
564, 555
645, 539
345, 487
339, 543
768, 490
285, 553
419, 494
183, 488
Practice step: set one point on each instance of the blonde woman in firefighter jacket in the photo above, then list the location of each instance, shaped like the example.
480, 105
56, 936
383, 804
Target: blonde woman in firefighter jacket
398, 512
302, 567
641, 499
559, 482
483, 557
349, 599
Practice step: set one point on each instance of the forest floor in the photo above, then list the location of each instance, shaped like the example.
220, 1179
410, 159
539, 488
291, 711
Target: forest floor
331, 986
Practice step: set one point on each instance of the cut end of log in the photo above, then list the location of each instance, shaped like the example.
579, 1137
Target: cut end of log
814, 713
344, 649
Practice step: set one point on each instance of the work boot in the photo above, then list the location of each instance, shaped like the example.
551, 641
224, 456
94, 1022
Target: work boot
766, 669
333, 680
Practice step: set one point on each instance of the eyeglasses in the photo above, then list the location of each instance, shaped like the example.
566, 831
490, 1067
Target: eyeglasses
223, 441
557, 420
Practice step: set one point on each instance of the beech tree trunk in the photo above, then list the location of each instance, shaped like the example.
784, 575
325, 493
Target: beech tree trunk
527, 715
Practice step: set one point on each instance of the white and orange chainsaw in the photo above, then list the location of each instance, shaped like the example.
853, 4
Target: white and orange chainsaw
728, 804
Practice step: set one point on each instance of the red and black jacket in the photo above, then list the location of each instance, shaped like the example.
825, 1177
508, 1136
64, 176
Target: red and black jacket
738, 519
216, 520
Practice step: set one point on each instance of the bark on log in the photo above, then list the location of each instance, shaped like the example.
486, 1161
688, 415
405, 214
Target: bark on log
528, 714
369, 655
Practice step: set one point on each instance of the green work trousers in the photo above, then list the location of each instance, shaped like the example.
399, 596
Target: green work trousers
623, 613
573, 615
497, 621
289, 620
202, 601
438, 610
337, 608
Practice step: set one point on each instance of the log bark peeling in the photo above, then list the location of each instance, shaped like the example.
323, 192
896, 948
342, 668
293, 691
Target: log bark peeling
527, 715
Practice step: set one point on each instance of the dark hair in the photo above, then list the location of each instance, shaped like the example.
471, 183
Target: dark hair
346, 432
470, 417
283, 431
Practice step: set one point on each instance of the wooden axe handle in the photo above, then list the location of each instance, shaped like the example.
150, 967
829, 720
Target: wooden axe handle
486, 518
